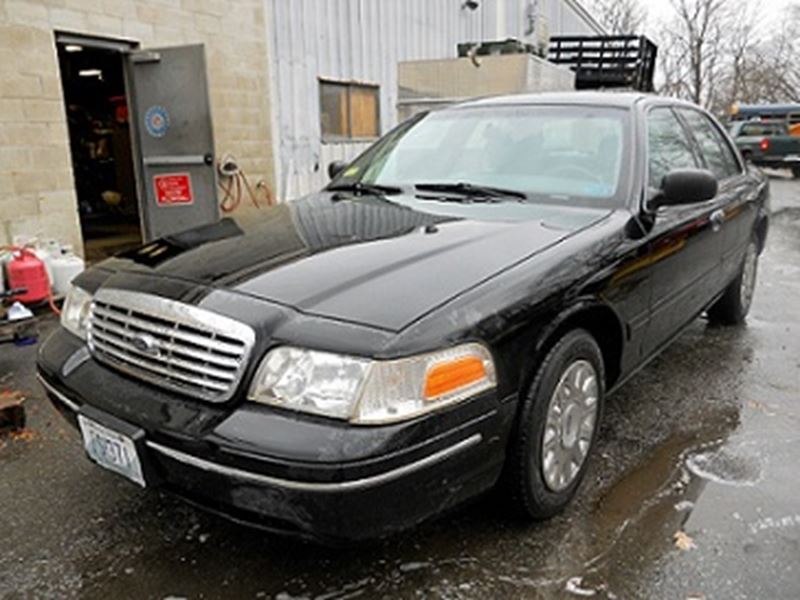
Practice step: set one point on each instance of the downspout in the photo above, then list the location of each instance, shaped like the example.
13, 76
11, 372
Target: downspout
500, 24
279, 193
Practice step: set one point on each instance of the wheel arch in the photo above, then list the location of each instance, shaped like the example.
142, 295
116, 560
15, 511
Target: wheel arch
600, 320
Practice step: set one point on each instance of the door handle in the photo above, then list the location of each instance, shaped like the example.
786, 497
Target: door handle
717, 219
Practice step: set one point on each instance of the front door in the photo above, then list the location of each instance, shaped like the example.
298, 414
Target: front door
172, 136
685, 244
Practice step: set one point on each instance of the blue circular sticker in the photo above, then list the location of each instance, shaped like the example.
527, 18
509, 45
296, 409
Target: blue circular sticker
156, 121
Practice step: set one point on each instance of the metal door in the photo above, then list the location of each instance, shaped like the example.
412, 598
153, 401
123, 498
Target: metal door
173, 144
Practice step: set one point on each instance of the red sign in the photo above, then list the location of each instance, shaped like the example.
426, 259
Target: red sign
173, 188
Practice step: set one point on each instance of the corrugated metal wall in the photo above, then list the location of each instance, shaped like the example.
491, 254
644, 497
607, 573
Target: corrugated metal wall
570, 17
363, 40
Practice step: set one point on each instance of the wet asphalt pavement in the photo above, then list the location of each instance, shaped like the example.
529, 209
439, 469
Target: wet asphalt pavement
693, 492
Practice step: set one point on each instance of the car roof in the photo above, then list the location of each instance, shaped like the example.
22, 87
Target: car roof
595, 98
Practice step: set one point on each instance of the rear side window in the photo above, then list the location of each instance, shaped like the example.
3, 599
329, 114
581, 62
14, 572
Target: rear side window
668, 146
719, 158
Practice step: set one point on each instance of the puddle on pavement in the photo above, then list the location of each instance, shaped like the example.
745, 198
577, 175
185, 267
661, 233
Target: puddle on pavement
635, 521
632, 524
726, 467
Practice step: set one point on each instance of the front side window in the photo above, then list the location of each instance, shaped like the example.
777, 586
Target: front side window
348, 110
555, 154
718, 156
669, 147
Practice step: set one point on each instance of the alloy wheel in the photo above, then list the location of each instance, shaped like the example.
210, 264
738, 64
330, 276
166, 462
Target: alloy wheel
571, 421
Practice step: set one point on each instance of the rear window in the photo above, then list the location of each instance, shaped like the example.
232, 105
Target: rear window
757, 129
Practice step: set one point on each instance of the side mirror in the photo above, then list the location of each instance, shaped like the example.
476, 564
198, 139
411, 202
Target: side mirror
686, 186
336, 167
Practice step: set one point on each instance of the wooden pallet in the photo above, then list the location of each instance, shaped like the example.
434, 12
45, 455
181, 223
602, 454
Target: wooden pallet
11, 331
12, 412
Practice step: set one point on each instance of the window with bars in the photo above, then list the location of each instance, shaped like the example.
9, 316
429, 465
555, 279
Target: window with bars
348, 110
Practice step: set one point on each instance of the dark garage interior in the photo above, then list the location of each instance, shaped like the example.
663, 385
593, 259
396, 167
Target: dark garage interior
97, 114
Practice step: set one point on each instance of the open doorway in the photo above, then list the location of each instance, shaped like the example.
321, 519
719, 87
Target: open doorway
93, 82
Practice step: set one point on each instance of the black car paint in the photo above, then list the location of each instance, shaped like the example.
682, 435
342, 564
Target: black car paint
361, 275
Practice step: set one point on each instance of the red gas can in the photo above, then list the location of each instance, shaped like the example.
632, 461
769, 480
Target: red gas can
27, 271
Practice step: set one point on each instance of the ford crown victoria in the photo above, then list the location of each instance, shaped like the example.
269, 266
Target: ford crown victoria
448, 315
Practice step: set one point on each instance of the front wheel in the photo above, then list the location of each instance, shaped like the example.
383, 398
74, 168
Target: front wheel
734, 304
557, 427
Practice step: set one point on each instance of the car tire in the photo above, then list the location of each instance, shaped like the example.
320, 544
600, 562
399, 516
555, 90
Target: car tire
796, 172
734, 304
535, 488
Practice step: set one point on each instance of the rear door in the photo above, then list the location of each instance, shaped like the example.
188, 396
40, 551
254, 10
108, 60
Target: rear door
685, 246
172, 137
737, 192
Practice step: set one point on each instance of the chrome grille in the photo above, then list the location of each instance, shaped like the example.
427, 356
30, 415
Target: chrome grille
168, 343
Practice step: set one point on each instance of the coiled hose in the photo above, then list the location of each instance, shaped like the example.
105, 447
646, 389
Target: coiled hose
234, 182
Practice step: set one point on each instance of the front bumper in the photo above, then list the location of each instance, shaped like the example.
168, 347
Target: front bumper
305, 476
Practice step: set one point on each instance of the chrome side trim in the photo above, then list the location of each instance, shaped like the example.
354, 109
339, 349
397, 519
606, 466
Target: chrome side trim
308, 486
61, 397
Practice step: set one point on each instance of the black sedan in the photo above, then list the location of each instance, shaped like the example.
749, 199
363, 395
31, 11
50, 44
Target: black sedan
449, 314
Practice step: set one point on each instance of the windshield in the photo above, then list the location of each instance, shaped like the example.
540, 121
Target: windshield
570, 155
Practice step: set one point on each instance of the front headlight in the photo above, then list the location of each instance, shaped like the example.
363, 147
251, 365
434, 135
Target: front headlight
371, 391
75, 312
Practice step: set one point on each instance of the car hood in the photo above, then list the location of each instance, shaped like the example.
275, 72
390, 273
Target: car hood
360, 259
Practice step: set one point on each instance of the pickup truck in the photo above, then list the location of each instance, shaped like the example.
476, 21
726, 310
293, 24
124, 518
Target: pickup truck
768, 144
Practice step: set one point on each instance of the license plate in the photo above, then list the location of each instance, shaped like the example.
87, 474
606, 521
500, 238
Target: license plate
111, 450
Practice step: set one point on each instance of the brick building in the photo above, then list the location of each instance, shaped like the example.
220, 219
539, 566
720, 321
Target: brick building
37, 186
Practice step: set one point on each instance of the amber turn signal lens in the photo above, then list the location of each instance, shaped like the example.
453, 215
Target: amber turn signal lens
454, 375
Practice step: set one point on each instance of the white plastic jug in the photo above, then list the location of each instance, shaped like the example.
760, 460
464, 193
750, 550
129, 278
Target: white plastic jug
5, 256
47, 252
65, 268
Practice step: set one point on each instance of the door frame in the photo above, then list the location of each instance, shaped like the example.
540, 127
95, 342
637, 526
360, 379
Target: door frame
121, 46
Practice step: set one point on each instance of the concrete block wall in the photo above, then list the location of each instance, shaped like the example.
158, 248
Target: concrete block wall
37, 193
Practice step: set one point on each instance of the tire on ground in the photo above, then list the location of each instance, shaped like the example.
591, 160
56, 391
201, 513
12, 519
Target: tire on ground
730, 309
524, 479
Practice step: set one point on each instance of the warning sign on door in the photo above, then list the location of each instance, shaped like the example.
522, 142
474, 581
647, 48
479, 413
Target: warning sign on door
173, 188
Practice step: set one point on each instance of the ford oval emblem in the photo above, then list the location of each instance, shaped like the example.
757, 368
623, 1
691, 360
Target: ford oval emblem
145, 343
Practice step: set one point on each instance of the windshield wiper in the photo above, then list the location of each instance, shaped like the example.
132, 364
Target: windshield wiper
470, 190
360, 188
